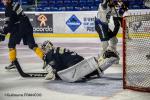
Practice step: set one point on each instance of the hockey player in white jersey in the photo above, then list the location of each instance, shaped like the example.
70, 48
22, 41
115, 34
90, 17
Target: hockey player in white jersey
102, 27
69, 66
107, 36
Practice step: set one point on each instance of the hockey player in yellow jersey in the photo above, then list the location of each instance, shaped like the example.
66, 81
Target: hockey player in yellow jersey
20, 28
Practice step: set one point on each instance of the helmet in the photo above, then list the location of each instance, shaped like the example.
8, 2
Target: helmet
47, 46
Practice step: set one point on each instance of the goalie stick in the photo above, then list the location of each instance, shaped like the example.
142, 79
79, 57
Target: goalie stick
28, 75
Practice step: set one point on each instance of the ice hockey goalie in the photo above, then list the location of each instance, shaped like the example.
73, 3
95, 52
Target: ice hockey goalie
61, 63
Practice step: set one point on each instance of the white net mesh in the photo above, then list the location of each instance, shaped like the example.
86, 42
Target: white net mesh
137, 52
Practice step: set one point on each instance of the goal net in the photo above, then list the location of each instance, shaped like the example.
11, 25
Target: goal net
136, 52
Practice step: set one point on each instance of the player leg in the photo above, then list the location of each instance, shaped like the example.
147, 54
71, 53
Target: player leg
102, 30
117, 24
113, 44
104, 45
12, 52
29, 39
113, 47
12, 58
113, 37
37, 50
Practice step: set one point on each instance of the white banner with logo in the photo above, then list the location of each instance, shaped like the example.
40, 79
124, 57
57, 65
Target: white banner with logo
82, 21
74, 22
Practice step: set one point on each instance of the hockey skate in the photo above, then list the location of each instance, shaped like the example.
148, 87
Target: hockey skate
108, 54
11, 66
116, 54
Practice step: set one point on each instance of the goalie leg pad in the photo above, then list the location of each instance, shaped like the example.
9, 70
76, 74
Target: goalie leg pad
85, 67
106, 63
78, 71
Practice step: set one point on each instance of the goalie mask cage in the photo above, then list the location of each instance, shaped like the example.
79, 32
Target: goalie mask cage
136, 46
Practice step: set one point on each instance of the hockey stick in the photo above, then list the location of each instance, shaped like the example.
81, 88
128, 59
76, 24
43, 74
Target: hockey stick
30, 75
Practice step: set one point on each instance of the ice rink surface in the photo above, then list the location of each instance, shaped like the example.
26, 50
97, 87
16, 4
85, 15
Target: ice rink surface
109, 87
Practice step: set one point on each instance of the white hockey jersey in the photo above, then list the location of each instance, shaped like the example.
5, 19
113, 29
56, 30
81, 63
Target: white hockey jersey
102, 13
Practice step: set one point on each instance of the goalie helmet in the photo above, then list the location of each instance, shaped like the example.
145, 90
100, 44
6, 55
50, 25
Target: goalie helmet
47, 46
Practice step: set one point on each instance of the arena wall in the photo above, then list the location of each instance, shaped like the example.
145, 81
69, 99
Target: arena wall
68, 25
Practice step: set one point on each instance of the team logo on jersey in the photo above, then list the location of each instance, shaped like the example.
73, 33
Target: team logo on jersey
42, 18
73, 23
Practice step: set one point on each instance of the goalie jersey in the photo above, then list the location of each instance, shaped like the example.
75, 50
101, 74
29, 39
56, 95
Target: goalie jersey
61, 58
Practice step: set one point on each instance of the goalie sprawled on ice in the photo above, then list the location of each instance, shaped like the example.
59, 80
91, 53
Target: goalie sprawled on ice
68, 66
